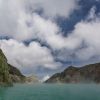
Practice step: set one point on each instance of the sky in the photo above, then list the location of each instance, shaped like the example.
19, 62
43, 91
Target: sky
43, 37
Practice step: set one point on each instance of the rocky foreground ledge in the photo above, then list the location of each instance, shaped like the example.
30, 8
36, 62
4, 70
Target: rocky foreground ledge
86, 74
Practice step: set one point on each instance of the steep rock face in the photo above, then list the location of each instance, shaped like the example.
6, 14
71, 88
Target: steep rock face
15, 75
4, 69
8, 73
86, 74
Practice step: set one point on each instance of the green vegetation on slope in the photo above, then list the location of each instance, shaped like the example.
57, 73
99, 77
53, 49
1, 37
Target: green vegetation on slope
4, 69
8, 73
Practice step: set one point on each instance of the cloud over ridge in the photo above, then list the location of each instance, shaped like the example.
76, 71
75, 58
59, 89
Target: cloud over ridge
23, 20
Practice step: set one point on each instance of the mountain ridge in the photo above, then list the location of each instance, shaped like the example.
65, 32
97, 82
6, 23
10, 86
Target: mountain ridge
86, 74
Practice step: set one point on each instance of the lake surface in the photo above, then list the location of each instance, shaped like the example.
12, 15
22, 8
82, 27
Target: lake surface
50, 92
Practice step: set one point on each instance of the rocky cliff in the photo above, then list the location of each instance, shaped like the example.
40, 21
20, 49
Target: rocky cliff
4, 69
86, 74
15, 75
8, 73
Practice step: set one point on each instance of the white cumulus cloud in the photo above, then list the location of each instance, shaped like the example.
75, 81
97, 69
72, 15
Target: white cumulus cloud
31, 56
15, 14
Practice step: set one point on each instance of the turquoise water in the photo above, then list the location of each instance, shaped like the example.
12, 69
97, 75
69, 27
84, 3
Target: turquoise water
50, 92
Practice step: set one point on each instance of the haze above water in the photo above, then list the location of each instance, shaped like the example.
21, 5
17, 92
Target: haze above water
50, 92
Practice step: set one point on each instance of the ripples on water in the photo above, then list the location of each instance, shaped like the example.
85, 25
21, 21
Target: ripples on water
51, 92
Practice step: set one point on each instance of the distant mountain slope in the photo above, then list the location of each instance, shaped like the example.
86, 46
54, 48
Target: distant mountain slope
86, 74
32, 79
